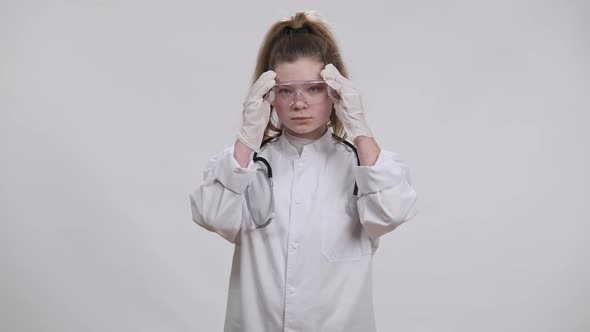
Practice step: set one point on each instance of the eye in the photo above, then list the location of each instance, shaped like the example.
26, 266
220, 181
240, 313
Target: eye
316, 88
284, 91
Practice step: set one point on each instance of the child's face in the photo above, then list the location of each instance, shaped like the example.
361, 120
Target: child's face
302, 100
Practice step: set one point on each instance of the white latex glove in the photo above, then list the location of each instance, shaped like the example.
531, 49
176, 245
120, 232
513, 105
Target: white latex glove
348, 103
256, 112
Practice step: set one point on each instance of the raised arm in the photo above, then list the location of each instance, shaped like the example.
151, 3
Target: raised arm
218, 204
386, 197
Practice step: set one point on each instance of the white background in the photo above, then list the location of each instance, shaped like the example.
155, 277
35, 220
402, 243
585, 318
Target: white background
109, 111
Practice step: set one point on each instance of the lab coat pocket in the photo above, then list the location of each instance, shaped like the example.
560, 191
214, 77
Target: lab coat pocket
343, 237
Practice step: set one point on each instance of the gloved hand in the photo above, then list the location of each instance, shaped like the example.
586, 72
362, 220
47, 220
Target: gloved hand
348, 103
256, 112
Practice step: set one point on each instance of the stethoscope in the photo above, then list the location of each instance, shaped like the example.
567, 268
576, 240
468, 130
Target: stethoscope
256, 158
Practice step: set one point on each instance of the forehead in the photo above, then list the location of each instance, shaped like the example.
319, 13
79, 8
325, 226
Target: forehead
303, 69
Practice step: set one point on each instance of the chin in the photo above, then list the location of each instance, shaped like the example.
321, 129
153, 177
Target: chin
304, 130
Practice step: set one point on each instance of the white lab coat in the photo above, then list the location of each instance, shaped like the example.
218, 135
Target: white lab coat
310, 268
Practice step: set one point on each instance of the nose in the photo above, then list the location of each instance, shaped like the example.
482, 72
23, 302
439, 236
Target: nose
297, 103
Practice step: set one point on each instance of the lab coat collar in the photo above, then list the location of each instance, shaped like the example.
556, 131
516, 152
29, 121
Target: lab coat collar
322, 144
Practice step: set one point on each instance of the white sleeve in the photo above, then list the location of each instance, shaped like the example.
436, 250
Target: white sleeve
385, 195
218, 204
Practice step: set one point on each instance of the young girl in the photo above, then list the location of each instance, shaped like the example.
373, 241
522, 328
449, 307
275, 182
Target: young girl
304, 212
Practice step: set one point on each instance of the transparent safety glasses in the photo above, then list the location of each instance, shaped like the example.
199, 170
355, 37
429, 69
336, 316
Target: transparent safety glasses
312, 92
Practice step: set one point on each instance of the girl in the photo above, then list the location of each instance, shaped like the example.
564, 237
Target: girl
304, 211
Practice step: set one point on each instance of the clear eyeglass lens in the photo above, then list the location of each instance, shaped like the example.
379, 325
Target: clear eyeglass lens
311, 93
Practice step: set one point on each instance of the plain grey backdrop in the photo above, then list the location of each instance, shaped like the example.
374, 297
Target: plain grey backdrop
109, 111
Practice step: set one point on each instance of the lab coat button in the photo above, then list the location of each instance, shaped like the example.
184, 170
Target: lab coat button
294, 245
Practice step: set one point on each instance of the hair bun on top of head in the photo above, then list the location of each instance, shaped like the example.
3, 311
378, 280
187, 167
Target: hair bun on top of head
289, 30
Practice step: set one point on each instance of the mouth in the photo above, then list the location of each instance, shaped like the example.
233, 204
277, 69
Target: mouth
301, 118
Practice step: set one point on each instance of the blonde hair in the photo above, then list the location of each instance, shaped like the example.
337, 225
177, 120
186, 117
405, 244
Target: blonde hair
314, 41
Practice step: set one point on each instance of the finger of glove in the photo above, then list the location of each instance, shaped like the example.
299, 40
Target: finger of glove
256, 105
331, 72
337, 86
338, 82
264, 83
